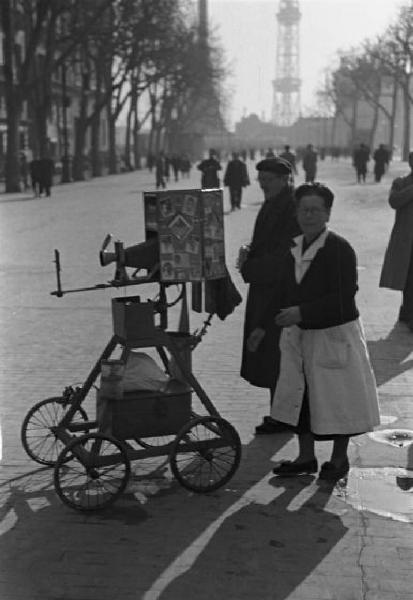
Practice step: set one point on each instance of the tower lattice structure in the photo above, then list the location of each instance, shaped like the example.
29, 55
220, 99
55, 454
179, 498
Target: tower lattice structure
287, 82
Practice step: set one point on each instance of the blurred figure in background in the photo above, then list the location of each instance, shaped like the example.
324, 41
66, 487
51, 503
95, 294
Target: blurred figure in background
361, 157
310, 163
235, 178
381, 159
209, 169
291, 157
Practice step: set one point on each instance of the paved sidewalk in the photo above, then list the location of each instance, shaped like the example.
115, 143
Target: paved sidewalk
257, 538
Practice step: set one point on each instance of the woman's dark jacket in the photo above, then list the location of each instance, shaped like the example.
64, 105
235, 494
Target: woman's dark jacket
275, 226
326, 293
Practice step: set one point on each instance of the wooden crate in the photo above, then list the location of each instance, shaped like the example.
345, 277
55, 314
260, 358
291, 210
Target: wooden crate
145, 413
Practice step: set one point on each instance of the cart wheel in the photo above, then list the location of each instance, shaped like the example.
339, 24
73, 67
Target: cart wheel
161, 441
37, 439
91, 472
210, 451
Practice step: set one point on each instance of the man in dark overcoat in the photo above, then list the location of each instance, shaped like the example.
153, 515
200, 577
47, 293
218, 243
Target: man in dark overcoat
209, 168
361, 157
381, 159
310, 163
397, 270
236, 177
260, 267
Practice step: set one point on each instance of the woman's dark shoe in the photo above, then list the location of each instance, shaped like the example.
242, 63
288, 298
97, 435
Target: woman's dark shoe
329, 472
288, 468
269, 425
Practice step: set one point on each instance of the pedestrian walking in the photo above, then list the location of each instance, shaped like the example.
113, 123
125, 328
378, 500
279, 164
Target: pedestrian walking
361, 157
235, 178
290, 157
176, 165
397, 270
326, 388
209, 168
24, 171
160, 171
46, 171
381, 159
260, 267
34, 168
185, 166
310, 163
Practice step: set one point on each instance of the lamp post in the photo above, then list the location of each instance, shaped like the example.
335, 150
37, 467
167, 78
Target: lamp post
65, 103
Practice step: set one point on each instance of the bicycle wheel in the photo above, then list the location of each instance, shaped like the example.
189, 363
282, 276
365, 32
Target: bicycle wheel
38, 440
91, 472
205, 454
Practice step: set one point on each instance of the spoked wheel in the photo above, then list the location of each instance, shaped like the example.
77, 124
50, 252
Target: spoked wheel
91, 472
205, 454
38, 440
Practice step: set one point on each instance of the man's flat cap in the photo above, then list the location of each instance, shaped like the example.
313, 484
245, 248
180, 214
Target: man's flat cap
276, 165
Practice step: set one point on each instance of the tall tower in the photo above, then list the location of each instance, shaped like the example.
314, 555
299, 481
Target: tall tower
287, 83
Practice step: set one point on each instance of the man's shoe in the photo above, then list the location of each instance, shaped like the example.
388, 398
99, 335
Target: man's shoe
291, 469
330, 472
269, 426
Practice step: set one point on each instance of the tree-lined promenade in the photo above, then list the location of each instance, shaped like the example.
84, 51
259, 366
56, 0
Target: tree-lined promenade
148, 61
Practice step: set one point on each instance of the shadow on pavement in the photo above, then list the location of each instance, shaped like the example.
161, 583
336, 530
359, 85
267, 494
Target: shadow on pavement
388, 355
263, 551
51, 552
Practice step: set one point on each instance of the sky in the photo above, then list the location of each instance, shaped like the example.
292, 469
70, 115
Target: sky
247, 31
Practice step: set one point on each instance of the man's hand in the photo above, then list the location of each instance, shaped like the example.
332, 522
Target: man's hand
288, 316
255, 338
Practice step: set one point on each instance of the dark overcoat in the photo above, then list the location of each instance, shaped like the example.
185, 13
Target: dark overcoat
274, 229
400, 248
236, 175
209, 168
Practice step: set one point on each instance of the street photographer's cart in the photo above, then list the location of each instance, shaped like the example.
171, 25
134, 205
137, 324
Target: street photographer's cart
91, 458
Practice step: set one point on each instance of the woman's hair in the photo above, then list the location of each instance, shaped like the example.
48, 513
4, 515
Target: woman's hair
315, 189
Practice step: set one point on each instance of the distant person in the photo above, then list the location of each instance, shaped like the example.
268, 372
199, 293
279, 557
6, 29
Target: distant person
46, 171
176, 165
209, 168
260, 265
160, 171
34, 168
289, 155
235, 178
361, 157
24, 171
185, 166
310, 163
381, 159
270, 153
397, 271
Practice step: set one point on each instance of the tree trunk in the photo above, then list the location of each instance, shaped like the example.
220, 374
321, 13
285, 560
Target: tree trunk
13, 101
113, 166
392, 119
406, 112
373, 126
128, 140
94, 147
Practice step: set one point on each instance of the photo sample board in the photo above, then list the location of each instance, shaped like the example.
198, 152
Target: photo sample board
190, 228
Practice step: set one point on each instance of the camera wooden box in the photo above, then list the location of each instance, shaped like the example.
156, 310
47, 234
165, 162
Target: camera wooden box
145, 413
132, 319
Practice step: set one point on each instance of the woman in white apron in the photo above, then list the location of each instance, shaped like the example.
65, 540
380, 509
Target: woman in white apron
326, 388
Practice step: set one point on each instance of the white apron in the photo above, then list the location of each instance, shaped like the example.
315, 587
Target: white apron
341, 385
